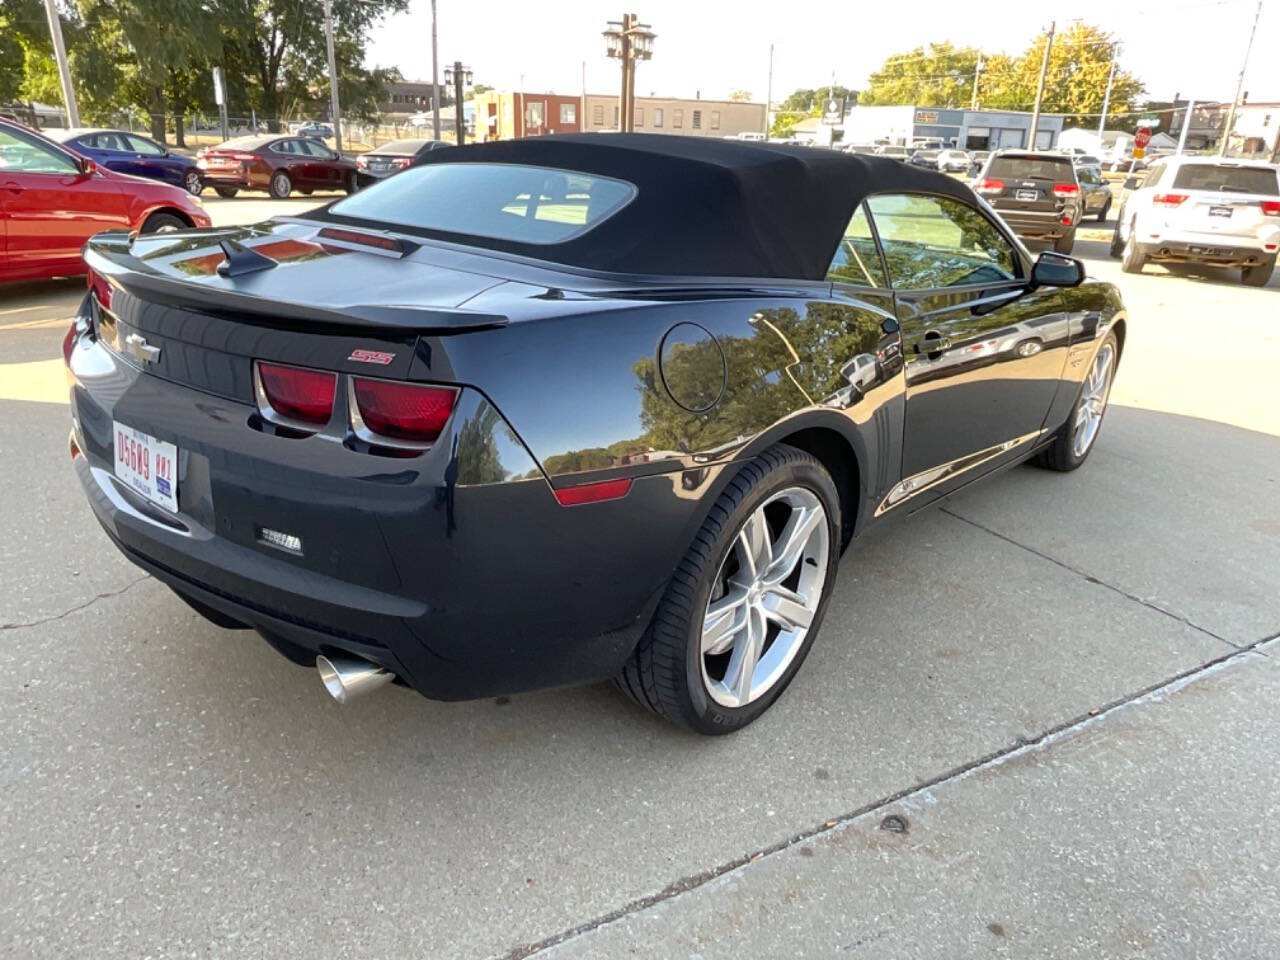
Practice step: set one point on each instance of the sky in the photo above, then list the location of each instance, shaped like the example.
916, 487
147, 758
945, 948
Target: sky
1191, 47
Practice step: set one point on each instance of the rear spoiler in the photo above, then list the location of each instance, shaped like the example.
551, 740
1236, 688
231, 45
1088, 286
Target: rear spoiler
110, 256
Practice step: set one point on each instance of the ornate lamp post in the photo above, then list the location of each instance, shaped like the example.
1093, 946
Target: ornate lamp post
628, 40
459, 76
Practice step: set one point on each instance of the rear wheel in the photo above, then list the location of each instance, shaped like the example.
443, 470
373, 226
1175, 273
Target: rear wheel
193, 182
1106, 209
1075, 438
1132, 259
353, 184
743, 607
1117, 241
163, 223
226, 192
281, 185
1260, 275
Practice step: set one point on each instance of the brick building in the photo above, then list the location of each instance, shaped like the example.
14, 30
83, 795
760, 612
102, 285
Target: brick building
503, 115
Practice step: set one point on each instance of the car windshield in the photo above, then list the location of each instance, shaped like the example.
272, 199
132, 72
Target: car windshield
401, 146
1032, 168
512, 202
1227, 179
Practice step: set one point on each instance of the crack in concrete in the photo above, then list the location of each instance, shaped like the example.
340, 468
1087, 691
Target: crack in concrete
1043, 740
81, 606
1154, 607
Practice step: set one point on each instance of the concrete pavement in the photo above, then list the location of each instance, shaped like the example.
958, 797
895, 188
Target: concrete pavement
986, 672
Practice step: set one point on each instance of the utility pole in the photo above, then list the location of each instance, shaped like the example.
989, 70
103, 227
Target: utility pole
1231, 114
976, 74
1106, 99
768, 96
628, 74
435, 77
460, 126
1186, 125
64, 68
1044, 70
628, 40
333, 77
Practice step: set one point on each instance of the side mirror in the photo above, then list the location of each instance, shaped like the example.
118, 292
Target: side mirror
1057, 270
87, 167
1132, 183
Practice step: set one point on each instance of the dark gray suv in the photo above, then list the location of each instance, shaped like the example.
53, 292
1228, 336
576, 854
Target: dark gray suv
1037, 194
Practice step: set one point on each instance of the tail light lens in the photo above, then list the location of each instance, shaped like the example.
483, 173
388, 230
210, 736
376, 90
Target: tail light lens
297, 393
412, 412
400, 162
1271, 208
593, 492
1169, 199
101, 289
1066, 190
361, 161
244, 157
989, 186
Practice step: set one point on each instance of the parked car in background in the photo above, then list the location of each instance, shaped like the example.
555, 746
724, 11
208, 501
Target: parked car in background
1095, 193
924, 158
276, 164
462, 381
391, 158
953, 161
1086, 161
978, 160
312, 128
133, 154
864, 149
893, 151
1224, 213
52, 200
1037, 194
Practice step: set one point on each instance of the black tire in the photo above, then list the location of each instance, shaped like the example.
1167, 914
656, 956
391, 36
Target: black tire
163, 223
192, 182
1132, 259
281, 185
1260, 275
1106, 209
353, 183
1117, 244
1060, 455
1065, 244
664, 673
226, 193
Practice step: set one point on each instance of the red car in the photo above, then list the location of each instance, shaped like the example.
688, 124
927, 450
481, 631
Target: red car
52, 200
278, 164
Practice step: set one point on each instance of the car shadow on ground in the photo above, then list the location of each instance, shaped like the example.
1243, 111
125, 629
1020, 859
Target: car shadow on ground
25, 295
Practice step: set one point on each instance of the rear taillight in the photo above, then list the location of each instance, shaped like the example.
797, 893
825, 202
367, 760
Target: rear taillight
296, 393
1066, 190
400, 162
101, 289
989, 186
244, 157
416, 413
1169, 199
1271, 208
69, 341
361, 161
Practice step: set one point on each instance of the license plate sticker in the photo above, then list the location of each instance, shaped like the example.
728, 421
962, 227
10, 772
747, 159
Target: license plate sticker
149, 466
1028, 195
1219, 211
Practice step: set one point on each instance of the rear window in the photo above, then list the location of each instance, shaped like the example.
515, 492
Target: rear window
401, 146
1224, 179
501, 201
1032, 168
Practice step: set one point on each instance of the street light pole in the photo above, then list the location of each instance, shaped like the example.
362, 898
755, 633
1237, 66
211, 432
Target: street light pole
333, 77
768, 95
1044, 70
459, 76
624, 102
1106, 98
1231, 114
628, 40
976, 74
1186, 125
435, 77
64, 68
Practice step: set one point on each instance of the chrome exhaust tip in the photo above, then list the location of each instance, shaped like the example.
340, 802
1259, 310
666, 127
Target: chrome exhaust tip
346, 678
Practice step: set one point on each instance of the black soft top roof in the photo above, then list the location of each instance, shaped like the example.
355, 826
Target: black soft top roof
708, 207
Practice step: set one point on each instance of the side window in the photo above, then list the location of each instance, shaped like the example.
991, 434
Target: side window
857, 260
932, 242
19, 155
317, 149
283, 146
145, 147
110, 141
1154, 175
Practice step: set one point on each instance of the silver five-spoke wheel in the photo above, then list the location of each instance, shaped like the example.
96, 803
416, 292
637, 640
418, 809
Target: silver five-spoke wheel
1093, 400
765, 597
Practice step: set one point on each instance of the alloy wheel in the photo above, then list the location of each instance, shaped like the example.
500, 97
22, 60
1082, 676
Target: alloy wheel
765, 597
193, 183
1093, 400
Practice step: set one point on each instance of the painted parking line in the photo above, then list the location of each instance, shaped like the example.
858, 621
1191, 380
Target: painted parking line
38, 381
36, 324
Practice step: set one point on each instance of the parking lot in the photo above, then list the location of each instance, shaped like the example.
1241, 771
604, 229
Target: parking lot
1040, 720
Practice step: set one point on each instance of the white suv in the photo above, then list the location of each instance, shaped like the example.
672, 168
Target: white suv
1202, 210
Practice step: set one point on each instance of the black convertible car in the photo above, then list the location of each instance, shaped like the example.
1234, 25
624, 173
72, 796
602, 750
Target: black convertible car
569, 408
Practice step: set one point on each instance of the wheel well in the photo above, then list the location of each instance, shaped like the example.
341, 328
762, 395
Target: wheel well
835, 454
1118, 328
171, 211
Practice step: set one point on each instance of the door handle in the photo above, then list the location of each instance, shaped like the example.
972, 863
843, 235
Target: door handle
13, 187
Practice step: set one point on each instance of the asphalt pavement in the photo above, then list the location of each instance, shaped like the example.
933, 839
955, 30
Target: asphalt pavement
1039, 721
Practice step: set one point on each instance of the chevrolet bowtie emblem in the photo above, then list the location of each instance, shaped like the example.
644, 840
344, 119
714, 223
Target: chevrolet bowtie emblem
138, 348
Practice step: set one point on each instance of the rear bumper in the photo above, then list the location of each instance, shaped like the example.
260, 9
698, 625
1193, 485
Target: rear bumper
1038, 226
457, 570
1210, 250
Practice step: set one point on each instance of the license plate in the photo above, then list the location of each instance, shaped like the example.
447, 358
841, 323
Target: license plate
149, 466
1208, 251
1028, 195
1219, 211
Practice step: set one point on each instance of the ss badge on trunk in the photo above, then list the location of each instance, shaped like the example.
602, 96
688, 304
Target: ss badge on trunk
372, 356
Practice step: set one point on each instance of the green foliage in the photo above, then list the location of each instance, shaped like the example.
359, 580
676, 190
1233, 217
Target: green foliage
740, 96
942, 75
806, 103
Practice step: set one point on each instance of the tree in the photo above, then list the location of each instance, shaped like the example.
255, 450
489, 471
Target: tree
939, 76
807, 103
740, 96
